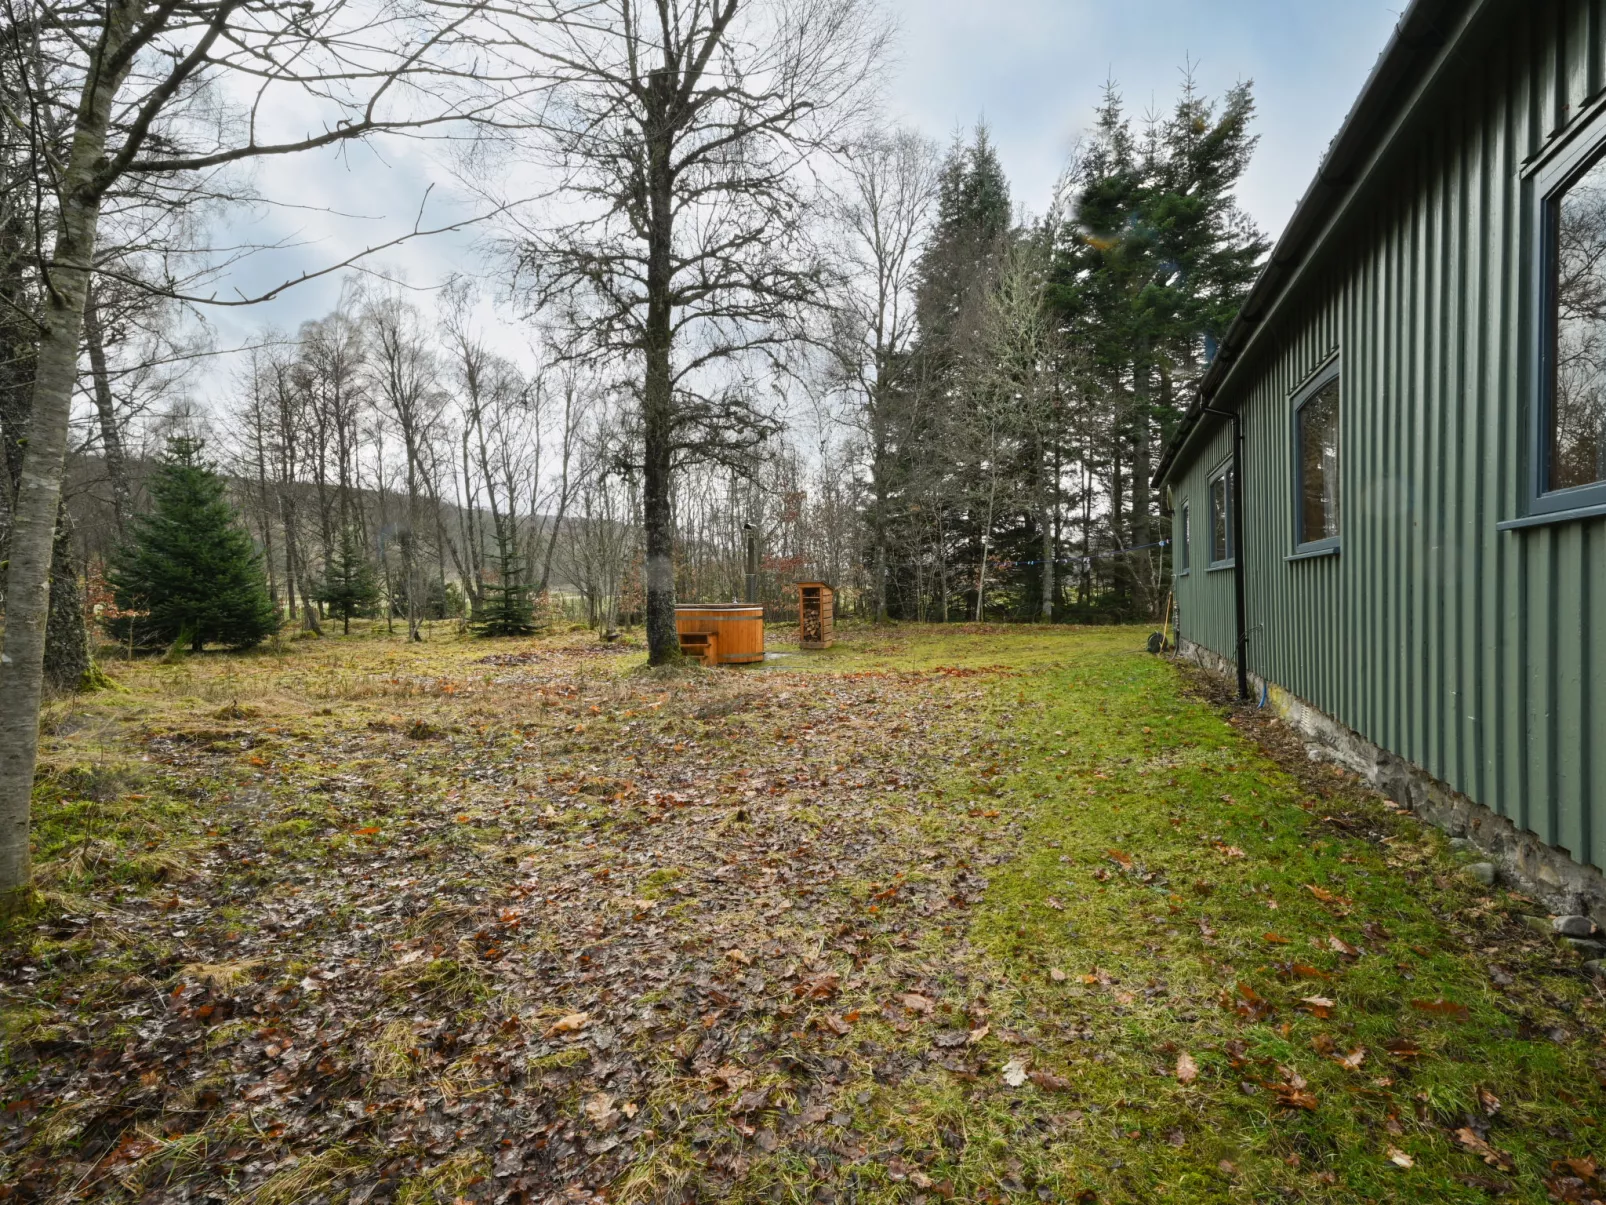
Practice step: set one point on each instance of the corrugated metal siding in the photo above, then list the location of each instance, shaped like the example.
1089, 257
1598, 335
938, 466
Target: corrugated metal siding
1466, 650
1204, 596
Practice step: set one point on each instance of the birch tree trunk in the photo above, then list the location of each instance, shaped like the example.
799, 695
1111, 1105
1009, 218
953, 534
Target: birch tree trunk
67, 659
111, 436
34, 521
564, 491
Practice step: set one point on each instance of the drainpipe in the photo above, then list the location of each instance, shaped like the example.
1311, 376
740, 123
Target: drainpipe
1238, 545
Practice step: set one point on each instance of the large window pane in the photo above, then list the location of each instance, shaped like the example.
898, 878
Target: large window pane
1318, 465
1220, 516
1577, 419
1187, 534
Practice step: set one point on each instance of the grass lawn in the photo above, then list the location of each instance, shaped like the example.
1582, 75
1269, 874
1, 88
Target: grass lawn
974, 914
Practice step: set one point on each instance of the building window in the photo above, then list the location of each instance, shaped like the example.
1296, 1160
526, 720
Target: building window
1221, 549
1316, 411
1568, 458
1186, 539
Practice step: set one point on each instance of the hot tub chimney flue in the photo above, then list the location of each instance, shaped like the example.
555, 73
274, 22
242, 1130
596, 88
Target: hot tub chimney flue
752, 562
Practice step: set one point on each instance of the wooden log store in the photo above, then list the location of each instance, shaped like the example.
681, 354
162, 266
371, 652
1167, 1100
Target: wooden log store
815, 602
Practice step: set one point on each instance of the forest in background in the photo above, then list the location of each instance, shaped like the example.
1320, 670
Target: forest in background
961, 424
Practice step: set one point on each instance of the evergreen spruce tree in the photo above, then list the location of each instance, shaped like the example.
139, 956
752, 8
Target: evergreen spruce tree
960, 260
188, 566
1150, 270
957, 269
507, 610
350, 586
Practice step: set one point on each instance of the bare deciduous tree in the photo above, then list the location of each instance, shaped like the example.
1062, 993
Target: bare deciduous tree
1013, 369
885, 213
406, 387
119, 74
681, 135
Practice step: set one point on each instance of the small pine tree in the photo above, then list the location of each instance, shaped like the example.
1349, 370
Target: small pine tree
507, 610
188, 568
350, 586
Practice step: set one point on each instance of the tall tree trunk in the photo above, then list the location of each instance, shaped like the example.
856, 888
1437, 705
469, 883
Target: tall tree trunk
382, 547
1085, 588
415, 581
22, 656
1142, 524
564, 491
879, 469
552, 543
287, 521
265, 512
1118, 523
986, 537
474, 586
443, 545
1047, 486
1046, 600
308, 607
67, 659
663, 644
111, 437
657, 402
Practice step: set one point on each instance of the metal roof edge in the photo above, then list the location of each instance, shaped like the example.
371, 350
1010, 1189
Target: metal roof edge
1422, 42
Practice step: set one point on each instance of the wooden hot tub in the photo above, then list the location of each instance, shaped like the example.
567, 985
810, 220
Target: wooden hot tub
721, 633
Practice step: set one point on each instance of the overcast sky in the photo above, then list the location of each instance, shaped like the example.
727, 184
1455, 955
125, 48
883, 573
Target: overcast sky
1033, 69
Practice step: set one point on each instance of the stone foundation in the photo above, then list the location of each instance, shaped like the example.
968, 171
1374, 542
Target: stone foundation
1523, 861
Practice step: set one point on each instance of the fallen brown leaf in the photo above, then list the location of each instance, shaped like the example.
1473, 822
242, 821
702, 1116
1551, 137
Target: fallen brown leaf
1326, 897
1353, 1060
573, 1023
1443, 1008
1290, 1097
1187, 1069
1474, 1142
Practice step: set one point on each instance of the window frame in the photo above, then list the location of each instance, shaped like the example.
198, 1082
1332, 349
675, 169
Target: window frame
1570, 161
1222, 473
1185, 556
1330, 370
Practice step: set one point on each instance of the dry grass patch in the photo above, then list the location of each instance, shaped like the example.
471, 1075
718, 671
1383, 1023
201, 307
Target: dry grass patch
221, 976
310, 1176
392, 1053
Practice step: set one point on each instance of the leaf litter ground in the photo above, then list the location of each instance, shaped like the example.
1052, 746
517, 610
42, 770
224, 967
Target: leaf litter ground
972, 914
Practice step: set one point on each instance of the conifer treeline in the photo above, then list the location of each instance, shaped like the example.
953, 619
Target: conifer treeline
1053, 358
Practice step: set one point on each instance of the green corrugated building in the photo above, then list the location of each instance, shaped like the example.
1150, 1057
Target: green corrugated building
1419, 376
